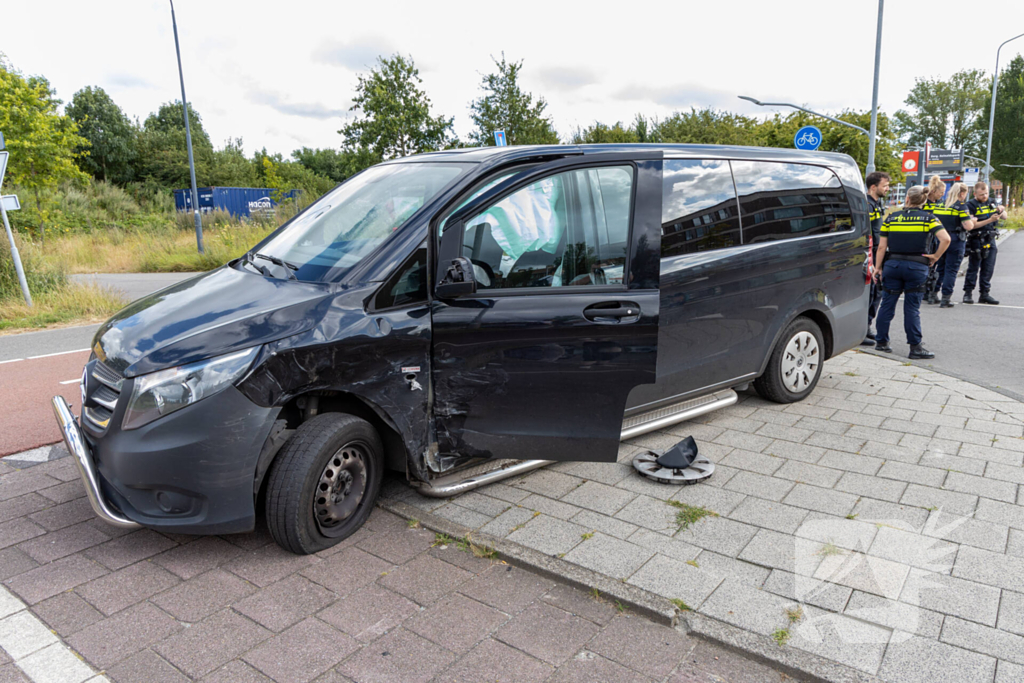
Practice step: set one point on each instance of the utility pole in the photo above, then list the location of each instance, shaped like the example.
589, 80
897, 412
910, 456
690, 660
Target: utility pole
188, 138
874, 93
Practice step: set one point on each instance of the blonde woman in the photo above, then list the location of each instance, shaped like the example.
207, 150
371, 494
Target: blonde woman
905, 234
957, 221
936, 190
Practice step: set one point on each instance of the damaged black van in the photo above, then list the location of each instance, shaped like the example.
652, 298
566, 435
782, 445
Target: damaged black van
466, 315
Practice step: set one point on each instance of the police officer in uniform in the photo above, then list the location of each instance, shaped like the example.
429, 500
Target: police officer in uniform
981, 244
957, 221
878, 186
905, 235
936, 190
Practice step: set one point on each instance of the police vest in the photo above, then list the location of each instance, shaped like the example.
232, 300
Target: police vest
983, 211
875, 214
951, 217
908, 231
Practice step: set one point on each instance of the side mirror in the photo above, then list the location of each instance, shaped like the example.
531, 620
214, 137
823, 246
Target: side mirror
458, 280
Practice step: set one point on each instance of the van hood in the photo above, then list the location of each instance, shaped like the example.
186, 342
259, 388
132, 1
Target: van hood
214, 313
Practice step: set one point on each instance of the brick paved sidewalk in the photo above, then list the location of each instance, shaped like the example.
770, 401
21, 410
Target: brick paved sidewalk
878, 524
389, 604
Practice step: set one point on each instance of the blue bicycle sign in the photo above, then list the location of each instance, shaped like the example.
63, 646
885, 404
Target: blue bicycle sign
807, 138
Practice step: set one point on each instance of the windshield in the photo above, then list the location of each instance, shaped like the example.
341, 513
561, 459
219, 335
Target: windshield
348, 223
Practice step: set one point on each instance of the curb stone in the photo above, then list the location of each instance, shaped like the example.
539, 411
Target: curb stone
793, 662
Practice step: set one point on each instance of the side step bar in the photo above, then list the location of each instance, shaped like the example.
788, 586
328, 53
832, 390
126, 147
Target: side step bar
461, 482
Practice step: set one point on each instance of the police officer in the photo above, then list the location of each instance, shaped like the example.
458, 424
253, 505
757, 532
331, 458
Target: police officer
981, 244
878, 186
957, 221
936, 190
905, 234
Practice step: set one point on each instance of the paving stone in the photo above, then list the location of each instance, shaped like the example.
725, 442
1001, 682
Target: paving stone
304, 651
650, 513
1000, 513
771, 416
461, 558
768, 514
927, 476
893, 514
947, 501
603, 472
211, 643
604, 524
982, 486
24, 481
1008, 672
994, 569
898, 616
369, 612
873, 487
464, 516
21, 634
821, 500
506, 522
67, 613
845, 533
549, 536
717, 500
547, 633
753, 462
924, 552
851, 462
14, 562
874, 434
742, 440
609, 556
457, 623
673, 579
841, 639
784, 432
909, 426
496, 662
485, 505
864, 573
197, 598
725, 567
1015, 543
950, 595
285, 603
548, 483
732, 423
640, 645
759, 485
48, 580
966, 530
125, 587
990, 641
552, 508
719, 534
238, 671
835, 442
506, 588
399, 546
782, 551
599, 497
197, 557
582, 604
665, 545
995, 428
805, 589
810, 474
1006, 473
821, 425
795, 451
740, 604
56, 544
953, 463
65, 514
109, 641
1011, 613
989, 454
55, 664
347, 571
425, 579
502, 492
129, 549
146, 667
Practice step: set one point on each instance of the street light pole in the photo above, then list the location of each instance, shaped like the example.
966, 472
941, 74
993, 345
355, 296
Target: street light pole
188, 138
813, 113
874, 93
992, 111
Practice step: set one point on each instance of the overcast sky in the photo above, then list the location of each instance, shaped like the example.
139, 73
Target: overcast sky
282, 74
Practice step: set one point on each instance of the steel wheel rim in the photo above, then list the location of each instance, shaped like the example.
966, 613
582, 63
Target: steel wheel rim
801, 362
340, 489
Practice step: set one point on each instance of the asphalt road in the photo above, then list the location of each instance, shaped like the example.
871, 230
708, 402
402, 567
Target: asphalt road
980, 343
134, 285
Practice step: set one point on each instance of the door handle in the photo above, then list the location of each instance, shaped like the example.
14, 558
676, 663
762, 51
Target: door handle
616, 312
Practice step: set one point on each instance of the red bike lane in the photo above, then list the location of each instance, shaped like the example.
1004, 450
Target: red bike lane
26, 387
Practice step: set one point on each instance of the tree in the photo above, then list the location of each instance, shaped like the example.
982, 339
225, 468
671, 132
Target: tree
599, 133
229, 167
396, 120
505, 106
1008, 131
163, 154
707, 126
945, 113
113, 140
43, 143
330, 163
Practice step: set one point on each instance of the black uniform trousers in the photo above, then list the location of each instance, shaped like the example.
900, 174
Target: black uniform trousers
981, 260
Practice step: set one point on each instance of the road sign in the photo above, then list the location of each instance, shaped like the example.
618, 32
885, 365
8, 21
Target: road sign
807, 138
499, 138
910, 162
1, 140
971, 175
11, 202
3, 165
945, 160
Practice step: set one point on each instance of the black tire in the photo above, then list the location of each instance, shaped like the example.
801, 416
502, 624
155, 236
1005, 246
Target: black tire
782, 386
302, 521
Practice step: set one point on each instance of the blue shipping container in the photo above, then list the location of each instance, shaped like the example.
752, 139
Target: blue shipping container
238, 201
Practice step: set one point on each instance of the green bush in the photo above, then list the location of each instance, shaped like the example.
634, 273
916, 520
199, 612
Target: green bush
41, 277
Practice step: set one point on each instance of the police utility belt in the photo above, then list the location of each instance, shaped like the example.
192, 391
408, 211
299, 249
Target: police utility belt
913, 258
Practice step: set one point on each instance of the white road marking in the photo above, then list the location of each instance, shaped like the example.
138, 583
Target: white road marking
72, 381
13, 360
59, 353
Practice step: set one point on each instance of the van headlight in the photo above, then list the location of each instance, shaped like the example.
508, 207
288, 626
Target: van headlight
160, 393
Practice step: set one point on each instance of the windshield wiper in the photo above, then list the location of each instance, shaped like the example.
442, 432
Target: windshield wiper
288, 267
247, 258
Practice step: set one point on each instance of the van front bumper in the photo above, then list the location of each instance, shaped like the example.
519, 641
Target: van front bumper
190, 472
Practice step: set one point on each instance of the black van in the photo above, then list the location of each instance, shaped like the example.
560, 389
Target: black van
465, 315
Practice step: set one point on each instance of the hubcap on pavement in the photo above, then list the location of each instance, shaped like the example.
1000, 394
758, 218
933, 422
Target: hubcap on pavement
340, 489
801, 362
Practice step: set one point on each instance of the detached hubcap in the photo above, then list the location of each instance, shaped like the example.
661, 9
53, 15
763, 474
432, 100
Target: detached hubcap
340, 489
801, 362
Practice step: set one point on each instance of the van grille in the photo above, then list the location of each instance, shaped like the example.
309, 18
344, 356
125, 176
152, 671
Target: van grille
102, 391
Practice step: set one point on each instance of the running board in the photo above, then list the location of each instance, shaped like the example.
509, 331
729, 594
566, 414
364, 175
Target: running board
488, 473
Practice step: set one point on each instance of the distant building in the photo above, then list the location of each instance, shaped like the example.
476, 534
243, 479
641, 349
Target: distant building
238, 201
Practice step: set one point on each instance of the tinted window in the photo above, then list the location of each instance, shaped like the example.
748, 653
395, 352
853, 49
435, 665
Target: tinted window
407, 285
569, 229
699, 207
780, 201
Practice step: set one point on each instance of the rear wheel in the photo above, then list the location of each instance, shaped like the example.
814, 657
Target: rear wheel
323, 484
795, 364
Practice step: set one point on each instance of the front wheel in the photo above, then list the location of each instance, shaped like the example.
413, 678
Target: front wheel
795, 364
324, 482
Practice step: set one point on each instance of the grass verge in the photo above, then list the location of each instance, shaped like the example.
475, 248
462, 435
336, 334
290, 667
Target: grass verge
69, 304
